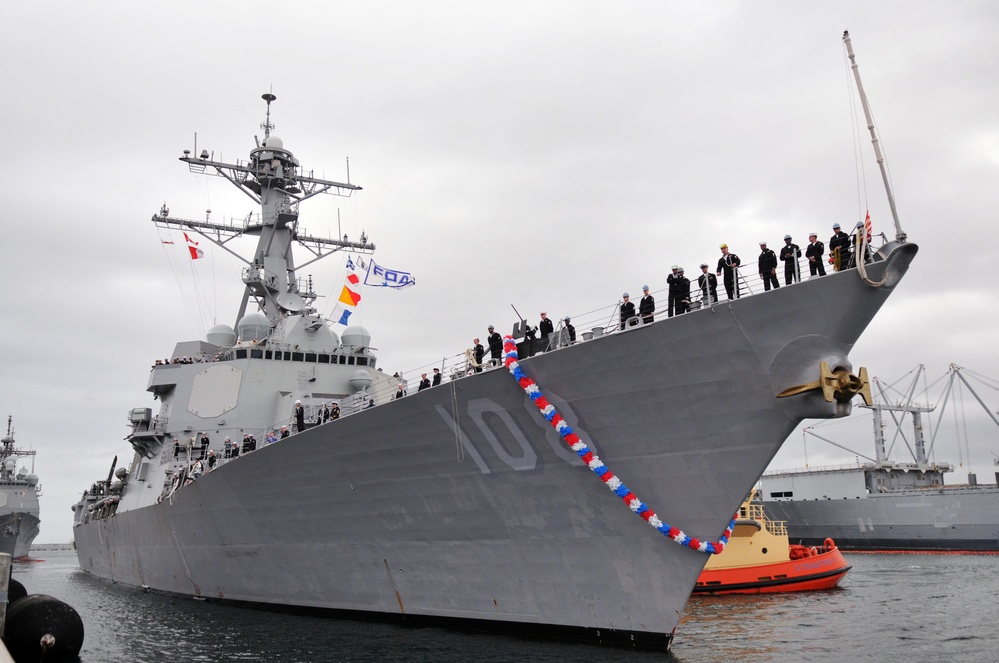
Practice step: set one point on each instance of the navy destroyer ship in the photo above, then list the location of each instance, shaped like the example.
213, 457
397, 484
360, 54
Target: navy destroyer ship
884, 504
19, 493
461, 504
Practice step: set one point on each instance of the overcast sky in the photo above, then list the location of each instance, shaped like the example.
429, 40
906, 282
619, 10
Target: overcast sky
548, 155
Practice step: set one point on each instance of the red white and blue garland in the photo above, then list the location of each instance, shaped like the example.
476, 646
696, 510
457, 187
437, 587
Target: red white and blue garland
510, 360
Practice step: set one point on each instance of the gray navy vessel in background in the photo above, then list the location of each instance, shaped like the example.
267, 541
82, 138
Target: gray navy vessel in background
889, 505
19, 493
460, 503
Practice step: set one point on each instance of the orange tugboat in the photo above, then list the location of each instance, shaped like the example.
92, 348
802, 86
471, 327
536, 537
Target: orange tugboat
760, 559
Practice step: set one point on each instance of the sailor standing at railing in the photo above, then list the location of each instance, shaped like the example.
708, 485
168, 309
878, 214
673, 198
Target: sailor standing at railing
495, 342
299, 416
709, 285
789, 254
729, 263
682, 292
479, 352
768, 267
646, 307
545, 327
814, 254
627, 310
570, 330
857, 236
671, 290
839, 249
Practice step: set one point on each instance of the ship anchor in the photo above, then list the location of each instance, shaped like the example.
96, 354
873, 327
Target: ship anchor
840, 384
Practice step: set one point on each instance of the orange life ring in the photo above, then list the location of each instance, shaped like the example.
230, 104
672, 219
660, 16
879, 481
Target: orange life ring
829, 544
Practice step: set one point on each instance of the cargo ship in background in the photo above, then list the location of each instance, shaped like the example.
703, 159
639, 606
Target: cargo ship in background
19, 493
887, 505
460, 504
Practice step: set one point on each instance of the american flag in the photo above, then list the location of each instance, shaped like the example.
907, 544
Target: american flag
867, 226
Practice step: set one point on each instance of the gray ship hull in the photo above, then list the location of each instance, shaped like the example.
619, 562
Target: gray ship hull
950, 519
20, 524
27, 531
9, 527
461, 503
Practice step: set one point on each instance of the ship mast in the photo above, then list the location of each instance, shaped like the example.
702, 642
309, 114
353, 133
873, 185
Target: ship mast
8, 450
899, 233
271, 178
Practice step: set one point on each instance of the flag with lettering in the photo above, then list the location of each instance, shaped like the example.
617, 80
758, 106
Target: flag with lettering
382, 277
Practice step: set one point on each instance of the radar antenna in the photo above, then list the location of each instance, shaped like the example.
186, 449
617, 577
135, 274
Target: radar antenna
273, 179
266, 125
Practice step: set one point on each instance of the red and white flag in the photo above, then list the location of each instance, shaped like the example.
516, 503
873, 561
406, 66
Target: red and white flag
192, 246
868, 229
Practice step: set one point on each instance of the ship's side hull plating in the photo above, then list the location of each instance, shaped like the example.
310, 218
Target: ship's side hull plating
460, 502
19, 518
27, 531
951, 519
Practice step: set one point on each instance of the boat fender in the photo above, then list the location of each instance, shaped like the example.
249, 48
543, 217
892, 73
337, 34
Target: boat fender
15, 590
32, 618
829, 544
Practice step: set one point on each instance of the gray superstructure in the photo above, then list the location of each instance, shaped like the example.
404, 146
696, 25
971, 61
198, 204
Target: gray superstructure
885, 504
19, 492
460, 502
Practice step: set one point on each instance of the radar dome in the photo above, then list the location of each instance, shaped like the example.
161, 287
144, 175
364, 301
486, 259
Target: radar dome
10, 464
273, 141
32, 479
360, 379
120, 472
221, 335
355, 336
253, 327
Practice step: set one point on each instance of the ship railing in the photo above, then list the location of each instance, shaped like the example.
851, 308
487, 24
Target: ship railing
858, 465
157, 424
588, 326
257, 274
816, 469
594, 324
755, 511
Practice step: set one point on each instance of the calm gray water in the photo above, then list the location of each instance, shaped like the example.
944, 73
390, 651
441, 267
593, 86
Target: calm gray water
888, 608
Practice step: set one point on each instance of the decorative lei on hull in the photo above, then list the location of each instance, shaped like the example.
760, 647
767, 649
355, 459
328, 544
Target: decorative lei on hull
510, 360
